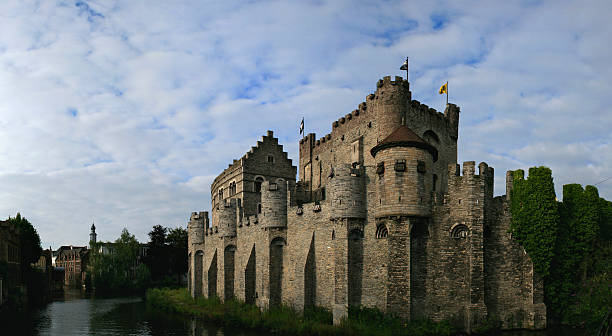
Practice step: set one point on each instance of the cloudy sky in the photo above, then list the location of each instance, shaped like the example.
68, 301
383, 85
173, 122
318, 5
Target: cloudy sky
123, 112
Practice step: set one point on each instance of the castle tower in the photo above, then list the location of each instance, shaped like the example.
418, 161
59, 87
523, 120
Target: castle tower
348, 214
227, 215
404, 165
274, 204
391, 101
196, 230
92, 235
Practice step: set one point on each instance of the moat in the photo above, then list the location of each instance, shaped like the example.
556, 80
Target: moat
76, 314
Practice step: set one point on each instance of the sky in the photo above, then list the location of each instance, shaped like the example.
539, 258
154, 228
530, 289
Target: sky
123, 112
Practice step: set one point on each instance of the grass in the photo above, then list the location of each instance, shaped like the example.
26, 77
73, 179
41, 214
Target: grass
285, 320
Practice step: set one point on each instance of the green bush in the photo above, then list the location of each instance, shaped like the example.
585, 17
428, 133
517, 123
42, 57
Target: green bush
286, 320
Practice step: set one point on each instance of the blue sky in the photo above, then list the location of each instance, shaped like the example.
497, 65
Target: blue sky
123, 112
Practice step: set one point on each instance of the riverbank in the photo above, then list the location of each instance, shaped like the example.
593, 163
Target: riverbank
285, 320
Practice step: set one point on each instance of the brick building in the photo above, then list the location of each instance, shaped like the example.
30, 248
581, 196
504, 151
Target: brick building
10, 263
73, 259
381, 216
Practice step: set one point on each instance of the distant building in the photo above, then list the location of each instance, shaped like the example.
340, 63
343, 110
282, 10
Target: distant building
10, 265
74, 260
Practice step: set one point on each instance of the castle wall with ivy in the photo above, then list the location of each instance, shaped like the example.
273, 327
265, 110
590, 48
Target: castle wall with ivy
380, 216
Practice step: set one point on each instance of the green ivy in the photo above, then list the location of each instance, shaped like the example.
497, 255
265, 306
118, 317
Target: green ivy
535, 216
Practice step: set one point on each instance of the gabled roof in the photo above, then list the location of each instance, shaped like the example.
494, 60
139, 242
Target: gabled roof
404, 137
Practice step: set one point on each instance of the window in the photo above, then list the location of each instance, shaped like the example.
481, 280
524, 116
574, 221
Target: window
400, 165
258, 182
421, 166
270, 159
258, 208
220, 194
459, 231
435, 181
232, 188
381, 231
380, 168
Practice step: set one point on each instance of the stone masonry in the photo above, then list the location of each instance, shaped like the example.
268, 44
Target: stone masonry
380, 216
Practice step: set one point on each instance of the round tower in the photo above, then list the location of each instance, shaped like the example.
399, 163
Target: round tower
274, 204
346, 193
196, 227
227, 218
404, 165
390, 104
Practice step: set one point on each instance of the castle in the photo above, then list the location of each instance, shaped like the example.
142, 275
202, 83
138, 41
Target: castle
380, 217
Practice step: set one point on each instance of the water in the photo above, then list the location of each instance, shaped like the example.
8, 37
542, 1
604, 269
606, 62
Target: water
75, 314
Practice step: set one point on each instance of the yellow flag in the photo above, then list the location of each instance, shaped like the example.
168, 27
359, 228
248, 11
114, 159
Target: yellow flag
443, 88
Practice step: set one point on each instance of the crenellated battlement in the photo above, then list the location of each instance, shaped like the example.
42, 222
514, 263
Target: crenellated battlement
381, 216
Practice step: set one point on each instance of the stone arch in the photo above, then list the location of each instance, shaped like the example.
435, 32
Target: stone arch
198, 276
419, 236
229, 257
212, 277
257, 183
355, 266
381, 231
459, 231
249, 278
276, 270
189, 267
310, 276
431, 137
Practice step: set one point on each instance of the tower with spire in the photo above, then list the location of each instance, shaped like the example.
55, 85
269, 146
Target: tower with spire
92, 235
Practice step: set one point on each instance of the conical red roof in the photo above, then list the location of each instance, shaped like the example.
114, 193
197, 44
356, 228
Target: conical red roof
403, 136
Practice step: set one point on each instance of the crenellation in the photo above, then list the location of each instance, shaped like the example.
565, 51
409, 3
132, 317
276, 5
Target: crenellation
380, 215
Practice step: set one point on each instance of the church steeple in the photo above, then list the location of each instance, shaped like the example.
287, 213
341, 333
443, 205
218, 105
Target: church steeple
92, 235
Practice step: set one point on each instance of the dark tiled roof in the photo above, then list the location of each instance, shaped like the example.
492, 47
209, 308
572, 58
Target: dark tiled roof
404, 137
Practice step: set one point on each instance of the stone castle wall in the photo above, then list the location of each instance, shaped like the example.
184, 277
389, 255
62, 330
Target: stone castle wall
418, 239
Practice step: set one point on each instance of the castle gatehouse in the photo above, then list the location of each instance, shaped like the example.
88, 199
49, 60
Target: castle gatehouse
381, 215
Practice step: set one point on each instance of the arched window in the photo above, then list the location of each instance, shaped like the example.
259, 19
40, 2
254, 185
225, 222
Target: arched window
431, 137
459, 231
220, 194
232, 188
381, 231
258, 181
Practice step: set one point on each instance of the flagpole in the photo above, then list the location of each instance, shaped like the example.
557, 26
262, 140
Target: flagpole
446, 92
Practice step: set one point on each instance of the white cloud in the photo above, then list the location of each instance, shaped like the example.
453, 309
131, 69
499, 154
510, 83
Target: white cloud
124, 111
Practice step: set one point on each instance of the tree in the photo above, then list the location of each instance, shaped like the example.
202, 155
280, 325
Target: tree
30, 249
177, 241
119, 271
157, 258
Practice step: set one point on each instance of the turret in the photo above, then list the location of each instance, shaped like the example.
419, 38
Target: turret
389, 104
404, 165
274, 204
346, 192
196, 228
452, 115
227, 215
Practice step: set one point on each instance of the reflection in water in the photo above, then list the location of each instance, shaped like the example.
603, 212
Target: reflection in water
75, 314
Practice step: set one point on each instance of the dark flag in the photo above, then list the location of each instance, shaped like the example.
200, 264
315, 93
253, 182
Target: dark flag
302, 126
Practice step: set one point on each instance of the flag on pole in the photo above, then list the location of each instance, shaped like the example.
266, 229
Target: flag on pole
443, 89
302, 126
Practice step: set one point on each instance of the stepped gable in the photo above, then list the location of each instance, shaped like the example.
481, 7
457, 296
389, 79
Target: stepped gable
403, 136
